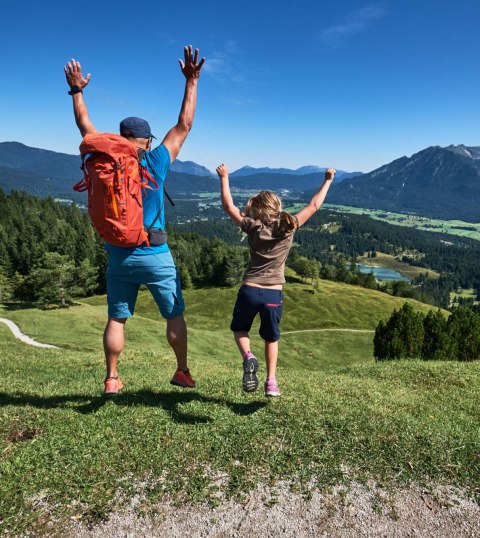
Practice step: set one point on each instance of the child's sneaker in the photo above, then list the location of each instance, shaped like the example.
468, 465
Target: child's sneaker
183, 379
250, 379
113, 385
271, 387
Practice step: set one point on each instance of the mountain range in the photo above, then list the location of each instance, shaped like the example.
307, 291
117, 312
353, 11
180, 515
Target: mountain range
435, 182
48, 173
302, 171
189, 167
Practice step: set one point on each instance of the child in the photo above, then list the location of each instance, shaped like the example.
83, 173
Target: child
270, 235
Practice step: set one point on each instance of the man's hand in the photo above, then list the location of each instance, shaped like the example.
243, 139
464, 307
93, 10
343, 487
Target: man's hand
330, 174
175, 138
190, 68
222, 171
73, 73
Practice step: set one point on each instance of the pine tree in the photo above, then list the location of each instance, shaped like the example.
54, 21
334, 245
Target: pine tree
52, 280
85, 280
401, 337
6, 287
464, 328
184, 276
437, 343
234, 266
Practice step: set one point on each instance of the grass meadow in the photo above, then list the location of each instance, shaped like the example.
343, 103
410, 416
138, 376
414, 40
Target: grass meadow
453, 227
67, 452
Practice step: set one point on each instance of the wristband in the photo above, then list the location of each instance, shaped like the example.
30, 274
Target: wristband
74, 90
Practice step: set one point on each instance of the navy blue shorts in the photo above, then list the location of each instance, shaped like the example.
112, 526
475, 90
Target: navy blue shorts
250, 302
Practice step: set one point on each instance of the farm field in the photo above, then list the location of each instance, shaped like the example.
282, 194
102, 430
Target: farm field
463, 294
453, 227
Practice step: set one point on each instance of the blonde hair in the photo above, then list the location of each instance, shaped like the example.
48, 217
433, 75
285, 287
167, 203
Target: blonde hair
266, 206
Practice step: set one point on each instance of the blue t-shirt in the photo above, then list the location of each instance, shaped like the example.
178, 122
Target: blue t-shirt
157, 162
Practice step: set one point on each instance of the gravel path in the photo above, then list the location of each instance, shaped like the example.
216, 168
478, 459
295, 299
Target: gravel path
353, 512
23, 337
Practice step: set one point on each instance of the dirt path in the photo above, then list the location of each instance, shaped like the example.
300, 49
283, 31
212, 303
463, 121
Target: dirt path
23, 337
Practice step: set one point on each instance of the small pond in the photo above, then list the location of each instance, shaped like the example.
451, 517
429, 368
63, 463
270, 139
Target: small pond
381, 273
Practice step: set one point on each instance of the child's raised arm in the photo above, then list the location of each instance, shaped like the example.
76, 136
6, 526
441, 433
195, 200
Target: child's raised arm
316, 202
227, 202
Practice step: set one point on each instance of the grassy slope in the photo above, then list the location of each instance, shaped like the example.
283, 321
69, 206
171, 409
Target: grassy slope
339, 410
332, 305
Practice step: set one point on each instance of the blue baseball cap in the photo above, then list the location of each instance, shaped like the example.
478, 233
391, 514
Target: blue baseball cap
135, 127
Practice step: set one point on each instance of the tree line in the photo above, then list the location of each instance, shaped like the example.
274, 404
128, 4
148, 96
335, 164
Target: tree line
336, 240
411, 334
50, 254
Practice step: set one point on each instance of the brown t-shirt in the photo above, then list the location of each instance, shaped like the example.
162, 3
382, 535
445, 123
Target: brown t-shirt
269, 248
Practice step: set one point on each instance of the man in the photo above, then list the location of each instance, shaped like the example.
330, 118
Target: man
128, 268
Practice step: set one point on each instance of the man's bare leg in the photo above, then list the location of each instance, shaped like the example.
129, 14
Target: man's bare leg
113, 342
177, 338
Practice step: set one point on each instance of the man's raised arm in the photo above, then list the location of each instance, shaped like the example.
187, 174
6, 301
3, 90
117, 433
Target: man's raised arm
177, 135
77, 82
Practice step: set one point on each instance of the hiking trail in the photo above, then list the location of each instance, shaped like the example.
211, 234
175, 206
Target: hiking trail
23, 337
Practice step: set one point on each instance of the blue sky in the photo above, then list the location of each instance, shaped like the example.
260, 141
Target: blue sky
349, 84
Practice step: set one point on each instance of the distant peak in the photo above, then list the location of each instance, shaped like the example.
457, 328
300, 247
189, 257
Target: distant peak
471, 152
13, 143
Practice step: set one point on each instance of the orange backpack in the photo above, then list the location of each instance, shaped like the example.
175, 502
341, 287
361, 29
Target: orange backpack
114, 178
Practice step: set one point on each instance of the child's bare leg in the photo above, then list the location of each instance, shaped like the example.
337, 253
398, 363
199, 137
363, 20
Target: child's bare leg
271, 356
243, 341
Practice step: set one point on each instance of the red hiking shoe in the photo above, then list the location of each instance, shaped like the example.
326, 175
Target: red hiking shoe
183, 379
113, 385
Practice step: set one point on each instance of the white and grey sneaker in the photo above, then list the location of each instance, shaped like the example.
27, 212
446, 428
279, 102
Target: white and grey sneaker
250, 379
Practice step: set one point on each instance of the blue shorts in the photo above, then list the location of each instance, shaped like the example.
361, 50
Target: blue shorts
126, 272
250, 302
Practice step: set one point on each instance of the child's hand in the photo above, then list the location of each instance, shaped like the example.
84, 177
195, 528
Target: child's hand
330, 174
222, 171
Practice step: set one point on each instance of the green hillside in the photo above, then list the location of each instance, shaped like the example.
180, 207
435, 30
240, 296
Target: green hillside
332, 305
66, 451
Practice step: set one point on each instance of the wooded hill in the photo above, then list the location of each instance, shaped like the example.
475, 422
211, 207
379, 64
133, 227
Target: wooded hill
330, 236
437, 182
50, 254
